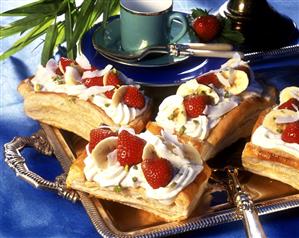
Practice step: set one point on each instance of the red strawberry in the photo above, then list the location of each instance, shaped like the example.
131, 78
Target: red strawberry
129, 148
98, 134
157, 172
96, 81
210, 78
196, 104
64, 62
289, 104
291, 133
113, 79
207, 27
134, 98
109, 94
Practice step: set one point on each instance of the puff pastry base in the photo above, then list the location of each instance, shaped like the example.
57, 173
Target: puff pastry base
275, 164
70, 113
182, 207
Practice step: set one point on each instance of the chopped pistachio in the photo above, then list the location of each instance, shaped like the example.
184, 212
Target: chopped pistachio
279, 130
182, 130
37, 87
134, 179
135, 167
127, 168
196, 122
172, 185
107, 104
117, 188
58, 80
226, 95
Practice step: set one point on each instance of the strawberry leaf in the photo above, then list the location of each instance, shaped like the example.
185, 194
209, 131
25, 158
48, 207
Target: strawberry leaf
228, 34
198, 12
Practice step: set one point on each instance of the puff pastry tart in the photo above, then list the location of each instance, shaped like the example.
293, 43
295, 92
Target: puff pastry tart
215, 109
77, 97
274, 147
155, 173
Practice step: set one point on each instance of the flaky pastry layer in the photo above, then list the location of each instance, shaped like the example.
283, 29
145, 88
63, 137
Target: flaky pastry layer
69, 112
180, 209
272, 163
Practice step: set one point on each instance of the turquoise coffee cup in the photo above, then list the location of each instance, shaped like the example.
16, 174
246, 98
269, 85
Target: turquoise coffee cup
146, 23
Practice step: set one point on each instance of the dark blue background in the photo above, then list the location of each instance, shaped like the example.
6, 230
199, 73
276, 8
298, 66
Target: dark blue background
27, 212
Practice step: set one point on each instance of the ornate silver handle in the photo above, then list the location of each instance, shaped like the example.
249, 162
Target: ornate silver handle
17, 163
245, 206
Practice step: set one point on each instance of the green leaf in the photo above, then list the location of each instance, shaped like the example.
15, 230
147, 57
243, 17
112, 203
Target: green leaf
21, 25
230, 35
198, 12
27, 39
49, 44
37, 7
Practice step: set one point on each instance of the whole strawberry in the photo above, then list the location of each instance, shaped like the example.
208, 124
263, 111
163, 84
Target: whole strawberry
291, 104
196, 104
291, 133
98, 134
206, 26
134, 98
129, 148
157, 172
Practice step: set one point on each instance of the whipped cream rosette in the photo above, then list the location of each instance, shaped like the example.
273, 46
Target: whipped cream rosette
274, 147
156, 173
76, 96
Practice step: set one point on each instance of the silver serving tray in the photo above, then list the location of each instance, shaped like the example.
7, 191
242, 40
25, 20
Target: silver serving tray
112, 219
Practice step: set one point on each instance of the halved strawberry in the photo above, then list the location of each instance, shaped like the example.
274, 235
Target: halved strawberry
98, 134
113, 79
290, 104
96, 81
209, 78
109, 94
291, 133
134, 98
64, 62
157, 172
196, 104
129, 148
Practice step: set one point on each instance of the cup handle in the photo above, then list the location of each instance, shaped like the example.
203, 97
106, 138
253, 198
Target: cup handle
180, 17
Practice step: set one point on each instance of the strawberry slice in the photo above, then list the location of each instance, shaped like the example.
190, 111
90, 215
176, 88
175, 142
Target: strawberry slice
109, 94
290, 104
210, 78
157, 172
196, 104
113, 79
96, 81
134, 98
98, 134
291, 133
64, 62
129, 148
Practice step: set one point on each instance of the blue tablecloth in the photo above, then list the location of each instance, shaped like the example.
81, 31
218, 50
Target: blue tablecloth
28, 212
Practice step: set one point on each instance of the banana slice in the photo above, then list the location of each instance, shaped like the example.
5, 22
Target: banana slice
72, 76
236, 81
270, 120
149, 152
102, 149
288, 93
192, 154
118, 95
193, 87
